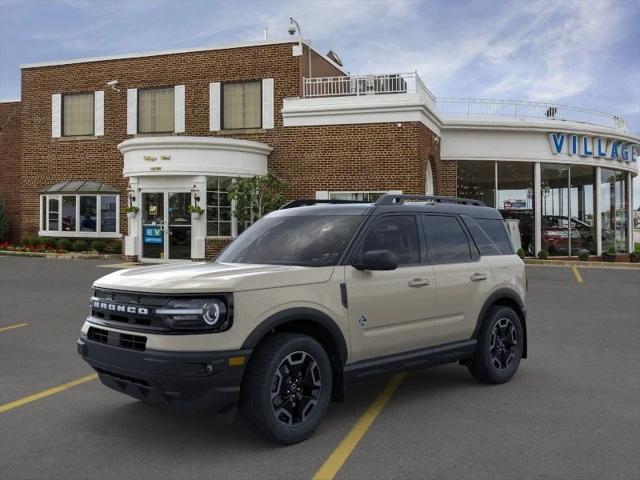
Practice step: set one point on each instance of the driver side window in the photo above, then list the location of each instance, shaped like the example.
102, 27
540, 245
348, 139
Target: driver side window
396, 233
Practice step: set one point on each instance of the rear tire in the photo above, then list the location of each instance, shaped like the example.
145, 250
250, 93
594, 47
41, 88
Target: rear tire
500, 346
286, 389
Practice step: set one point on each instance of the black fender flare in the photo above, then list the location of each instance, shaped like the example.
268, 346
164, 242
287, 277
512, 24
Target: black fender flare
495, 298
299, 314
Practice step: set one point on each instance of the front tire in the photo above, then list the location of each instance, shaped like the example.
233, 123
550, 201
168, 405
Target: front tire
286, 389
500, 346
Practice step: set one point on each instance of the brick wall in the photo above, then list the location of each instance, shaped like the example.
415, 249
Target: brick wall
46, 160
10, 163
381, 156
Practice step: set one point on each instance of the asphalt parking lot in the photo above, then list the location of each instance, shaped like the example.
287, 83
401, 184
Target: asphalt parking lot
572, 411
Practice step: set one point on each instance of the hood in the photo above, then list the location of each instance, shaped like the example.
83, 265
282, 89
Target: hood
211, 277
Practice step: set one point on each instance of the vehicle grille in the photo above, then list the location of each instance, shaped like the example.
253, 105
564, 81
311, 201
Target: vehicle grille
116, 339
146, 322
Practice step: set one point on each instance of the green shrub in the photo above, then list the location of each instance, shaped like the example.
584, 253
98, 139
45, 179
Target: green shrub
29, 242
611, 250
65, 244
583, 255
4, 223
79, 246
520, 253
98, 245
543, 254
115, 246
47, 242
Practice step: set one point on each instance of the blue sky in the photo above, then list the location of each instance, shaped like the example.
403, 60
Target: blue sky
578, 52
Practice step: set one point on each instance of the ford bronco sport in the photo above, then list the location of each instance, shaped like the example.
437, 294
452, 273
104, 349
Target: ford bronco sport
309, 299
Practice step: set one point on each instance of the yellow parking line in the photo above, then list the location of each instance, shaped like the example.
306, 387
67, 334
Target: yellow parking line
37, 396
576, 273
342, 452
11, 327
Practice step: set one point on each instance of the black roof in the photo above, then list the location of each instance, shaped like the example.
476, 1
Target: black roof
390, 203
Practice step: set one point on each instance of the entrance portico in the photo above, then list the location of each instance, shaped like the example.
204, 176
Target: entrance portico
167, 174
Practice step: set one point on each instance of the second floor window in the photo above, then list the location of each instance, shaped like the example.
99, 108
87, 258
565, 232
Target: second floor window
156, 110
77, 114
242, 105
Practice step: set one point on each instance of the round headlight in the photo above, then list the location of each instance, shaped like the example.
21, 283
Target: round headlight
212, 313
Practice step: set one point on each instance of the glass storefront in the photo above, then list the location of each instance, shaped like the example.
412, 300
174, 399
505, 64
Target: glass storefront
614, 209
516, 200
477, 180
567, 203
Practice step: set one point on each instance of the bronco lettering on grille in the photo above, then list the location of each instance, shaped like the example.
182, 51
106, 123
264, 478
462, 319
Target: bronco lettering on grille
120, 308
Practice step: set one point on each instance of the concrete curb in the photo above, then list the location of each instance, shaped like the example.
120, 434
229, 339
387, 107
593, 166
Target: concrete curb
63, 256
577, 263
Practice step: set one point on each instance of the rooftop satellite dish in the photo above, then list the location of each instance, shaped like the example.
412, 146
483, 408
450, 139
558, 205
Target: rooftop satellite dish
334, 57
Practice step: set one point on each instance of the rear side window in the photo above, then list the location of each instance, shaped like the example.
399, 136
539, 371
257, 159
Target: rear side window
447, 241
497, 232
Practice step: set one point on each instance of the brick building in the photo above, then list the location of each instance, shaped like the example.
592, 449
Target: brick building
161, 131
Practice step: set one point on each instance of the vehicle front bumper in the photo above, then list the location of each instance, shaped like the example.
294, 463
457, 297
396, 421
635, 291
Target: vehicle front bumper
195, 381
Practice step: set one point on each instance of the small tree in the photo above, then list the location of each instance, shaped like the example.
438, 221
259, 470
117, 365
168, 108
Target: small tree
256, 196
4, 222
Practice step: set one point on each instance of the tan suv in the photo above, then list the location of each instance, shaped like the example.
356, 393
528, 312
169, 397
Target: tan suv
309, 299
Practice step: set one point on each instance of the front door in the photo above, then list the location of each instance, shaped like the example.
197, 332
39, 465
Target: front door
391, 311
166, 226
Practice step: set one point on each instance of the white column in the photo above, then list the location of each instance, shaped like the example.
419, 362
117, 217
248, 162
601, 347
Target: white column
598, 220
132, 241
199, 226
630, 211
537, 207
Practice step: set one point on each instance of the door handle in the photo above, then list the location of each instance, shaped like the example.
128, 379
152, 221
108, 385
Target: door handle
419, 282
477, 277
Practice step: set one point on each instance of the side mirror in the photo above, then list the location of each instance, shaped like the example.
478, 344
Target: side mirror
377, 260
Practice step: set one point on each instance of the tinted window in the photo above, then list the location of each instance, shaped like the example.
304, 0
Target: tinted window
447, 241
396, 233
497, 232
313, 241
484, 243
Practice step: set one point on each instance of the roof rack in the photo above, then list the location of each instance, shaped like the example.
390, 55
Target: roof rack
400, 199
304, 202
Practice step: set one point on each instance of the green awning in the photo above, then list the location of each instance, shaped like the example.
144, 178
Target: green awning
80, 186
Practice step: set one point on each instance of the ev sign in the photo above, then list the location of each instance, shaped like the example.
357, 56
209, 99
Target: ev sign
588, 146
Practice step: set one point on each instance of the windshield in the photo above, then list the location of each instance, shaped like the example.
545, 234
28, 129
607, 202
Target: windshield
311, 241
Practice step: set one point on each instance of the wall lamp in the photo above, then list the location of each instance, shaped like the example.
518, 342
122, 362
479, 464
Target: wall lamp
194, 193
132, 197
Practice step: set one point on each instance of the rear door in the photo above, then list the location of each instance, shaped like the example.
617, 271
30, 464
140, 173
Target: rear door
391, 311
463, 279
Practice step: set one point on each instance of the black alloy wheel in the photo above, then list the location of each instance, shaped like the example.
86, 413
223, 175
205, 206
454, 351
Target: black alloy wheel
504, 343
295, 390
286, 388
500, 346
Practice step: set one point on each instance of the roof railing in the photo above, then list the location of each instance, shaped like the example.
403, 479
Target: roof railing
401, 199
305, 202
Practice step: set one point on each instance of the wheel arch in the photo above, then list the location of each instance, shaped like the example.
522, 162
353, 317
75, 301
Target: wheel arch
315, 324
508, 298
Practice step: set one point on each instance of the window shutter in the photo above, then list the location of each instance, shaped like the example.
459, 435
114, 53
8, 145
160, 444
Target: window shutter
179, 92
214, 106
267, 103
98, 111
56, 115
132, 111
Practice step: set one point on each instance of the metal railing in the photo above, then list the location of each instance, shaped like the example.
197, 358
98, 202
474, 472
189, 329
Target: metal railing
356, 85
527, 109
399, 83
